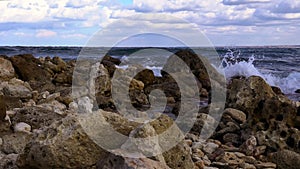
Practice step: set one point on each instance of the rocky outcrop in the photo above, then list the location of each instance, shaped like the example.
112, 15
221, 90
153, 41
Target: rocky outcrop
286, 159
29, 68
272, 117
16, 88
7, 71
63, 144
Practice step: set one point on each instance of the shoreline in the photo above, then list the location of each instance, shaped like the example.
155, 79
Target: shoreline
258, 128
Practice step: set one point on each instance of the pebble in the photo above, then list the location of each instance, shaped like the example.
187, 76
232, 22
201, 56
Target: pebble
249, 159
265, 165
22, 127
236, 114
210, 147
1, 141
248, 166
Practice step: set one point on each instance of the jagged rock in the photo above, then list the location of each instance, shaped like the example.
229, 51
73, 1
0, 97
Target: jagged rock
231, 138
246, 94
9, 161
179, 157
15, 142
286, 159
63, 144
36, 117
209, 147
29, 68
273, 118
230, 158
110, 64
202, 120
61, 65
119, 162
64, 78
146, 76
16, 88
7, 71
249, 146
236, 114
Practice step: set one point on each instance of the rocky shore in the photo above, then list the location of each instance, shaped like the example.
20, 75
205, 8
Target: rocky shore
39, 128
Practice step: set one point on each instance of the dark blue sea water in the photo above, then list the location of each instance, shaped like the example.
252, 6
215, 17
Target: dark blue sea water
278, 65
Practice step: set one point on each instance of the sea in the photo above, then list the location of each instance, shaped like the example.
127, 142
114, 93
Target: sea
278, 65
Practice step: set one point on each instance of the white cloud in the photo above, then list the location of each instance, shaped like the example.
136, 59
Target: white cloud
45, 33
242, 2
50, 18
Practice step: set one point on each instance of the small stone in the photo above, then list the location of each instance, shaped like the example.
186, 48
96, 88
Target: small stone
22, 127
249, 159
189, 142
236, 114
210, 147
239, 155
73, 106
259, 150
206, 161
248, 166
198, 153
265, 165
44, 95
85, 105
1, 141
230, 158
219, 164
248, 147
199, 164
231, 138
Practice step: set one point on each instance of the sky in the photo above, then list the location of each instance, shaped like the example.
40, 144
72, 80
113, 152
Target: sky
75, 22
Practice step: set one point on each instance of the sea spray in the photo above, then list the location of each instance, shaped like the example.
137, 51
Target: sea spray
234, 65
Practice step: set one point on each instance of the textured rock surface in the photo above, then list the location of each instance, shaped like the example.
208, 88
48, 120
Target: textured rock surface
29, 68
36, 117
63, 144
7, 71
272, 117
118, 162
286, 159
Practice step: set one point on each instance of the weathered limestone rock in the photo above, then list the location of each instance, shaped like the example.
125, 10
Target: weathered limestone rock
119, 162
63, 144
286, 159
7, 71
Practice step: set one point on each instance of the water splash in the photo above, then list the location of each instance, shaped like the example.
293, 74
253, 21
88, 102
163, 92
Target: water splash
235, 65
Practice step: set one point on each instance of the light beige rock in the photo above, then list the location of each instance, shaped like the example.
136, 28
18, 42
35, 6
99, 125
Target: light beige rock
22, 127
7, 71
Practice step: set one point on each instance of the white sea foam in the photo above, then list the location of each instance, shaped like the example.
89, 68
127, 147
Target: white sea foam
232, 67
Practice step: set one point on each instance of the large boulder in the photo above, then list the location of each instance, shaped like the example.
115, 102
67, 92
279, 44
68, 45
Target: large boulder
29, 68
32, 70
273, 118
63, 144
16, 88
199, 65
36, 117
285, 159
7, 71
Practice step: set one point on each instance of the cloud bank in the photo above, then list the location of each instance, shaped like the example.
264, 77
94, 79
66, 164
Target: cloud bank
225, 22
